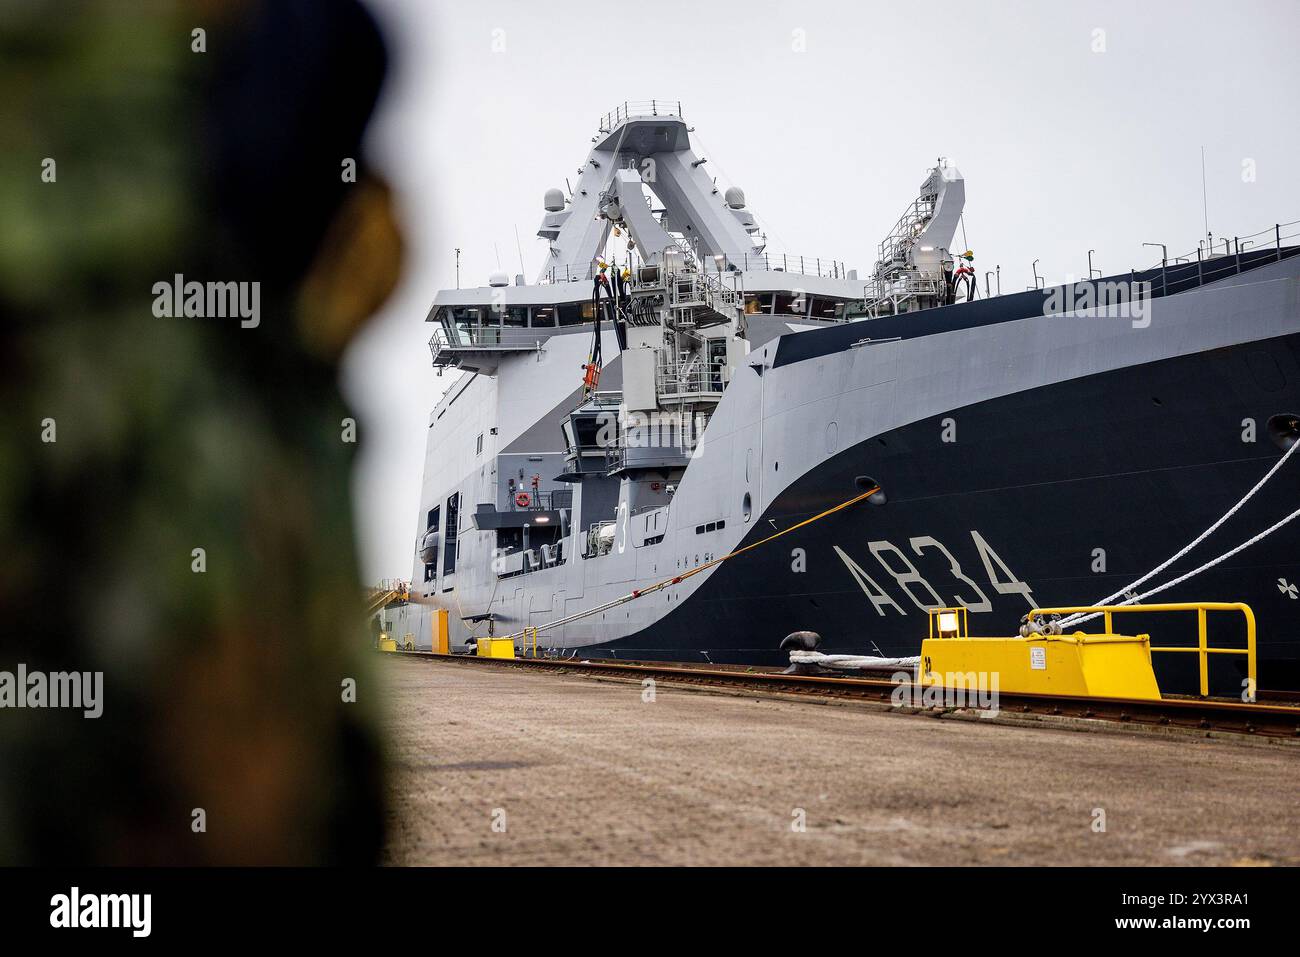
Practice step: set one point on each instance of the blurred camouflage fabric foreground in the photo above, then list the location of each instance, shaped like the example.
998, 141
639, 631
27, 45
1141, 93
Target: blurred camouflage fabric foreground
222, 689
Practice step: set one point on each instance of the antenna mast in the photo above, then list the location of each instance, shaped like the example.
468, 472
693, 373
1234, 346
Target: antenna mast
1205, 209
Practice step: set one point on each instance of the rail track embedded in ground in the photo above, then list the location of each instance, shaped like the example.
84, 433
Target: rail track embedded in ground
1266, 720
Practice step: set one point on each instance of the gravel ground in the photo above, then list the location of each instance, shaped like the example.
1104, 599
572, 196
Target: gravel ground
497, 766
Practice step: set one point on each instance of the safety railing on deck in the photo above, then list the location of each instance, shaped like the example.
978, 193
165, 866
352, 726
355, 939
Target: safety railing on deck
780, 262
506, 339
567, 273
630, 108
752, 262
691, 291
544, 501
390, 590
1202, 649
503, 337
886, 296
1215, 259
688, 378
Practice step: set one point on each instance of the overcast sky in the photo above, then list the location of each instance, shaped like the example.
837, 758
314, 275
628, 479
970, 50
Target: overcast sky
1076, 127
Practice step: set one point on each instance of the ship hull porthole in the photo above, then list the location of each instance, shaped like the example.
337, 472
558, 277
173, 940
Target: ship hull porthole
746, 507
1284, 429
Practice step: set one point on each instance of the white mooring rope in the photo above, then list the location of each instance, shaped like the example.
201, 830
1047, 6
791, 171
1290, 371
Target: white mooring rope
850, 662
1079, 618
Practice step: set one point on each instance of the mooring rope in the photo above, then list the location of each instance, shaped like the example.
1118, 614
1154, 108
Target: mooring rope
853, 662
1076, 620
678, 579
1079, 618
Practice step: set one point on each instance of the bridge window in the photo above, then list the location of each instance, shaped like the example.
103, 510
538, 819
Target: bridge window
823, 308
465, 316
788, 304
575, 313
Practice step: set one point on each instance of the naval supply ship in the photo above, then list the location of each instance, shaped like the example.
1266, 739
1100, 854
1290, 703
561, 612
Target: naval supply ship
676, 445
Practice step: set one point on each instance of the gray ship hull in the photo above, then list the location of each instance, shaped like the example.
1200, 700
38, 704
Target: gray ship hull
1034, 450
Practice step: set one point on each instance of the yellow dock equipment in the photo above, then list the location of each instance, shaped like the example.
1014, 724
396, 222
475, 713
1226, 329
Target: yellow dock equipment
387, 644
1096, 666
496, 647
441, 632
1105, 665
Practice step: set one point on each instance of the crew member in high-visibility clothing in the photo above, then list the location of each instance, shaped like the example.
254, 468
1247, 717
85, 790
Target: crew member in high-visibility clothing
965, 274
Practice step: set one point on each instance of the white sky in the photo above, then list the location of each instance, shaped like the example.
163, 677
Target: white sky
1063, 149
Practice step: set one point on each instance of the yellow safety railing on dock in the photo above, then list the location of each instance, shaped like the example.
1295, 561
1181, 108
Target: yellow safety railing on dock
1202, 649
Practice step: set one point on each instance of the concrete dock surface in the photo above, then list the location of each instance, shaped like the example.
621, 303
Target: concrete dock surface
497, 766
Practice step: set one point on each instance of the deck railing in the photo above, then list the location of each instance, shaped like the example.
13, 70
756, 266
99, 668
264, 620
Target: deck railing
446, 341
631, 108
1202, 647
543, 501
782, 262
714, 265
1215, 259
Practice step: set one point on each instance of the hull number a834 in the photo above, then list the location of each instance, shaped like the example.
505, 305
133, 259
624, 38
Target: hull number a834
956, 589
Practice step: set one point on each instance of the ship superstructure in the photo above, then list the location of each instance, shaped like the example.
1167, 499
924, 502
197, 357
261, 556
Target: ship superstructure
668, 391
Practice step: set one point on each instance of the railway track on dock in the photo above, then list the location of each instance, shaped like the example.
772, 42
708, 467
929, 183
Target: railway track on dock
1266, 720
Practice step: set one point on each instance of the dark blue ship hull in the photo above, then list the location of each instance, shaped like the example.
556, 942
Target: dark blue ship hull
1055, 496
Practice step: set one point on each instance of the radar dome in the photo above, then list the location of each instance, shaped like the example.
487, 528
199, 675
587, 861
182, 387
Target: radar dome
553, 200
735, 197
499, 278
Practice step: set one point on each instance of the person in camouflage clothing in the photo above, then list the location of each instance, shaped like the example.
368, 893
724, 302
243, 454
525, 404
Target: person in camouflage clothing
174, 490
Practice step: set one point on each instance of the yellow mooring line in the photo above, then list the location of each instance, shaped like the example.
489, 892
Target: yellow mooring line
660, 586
